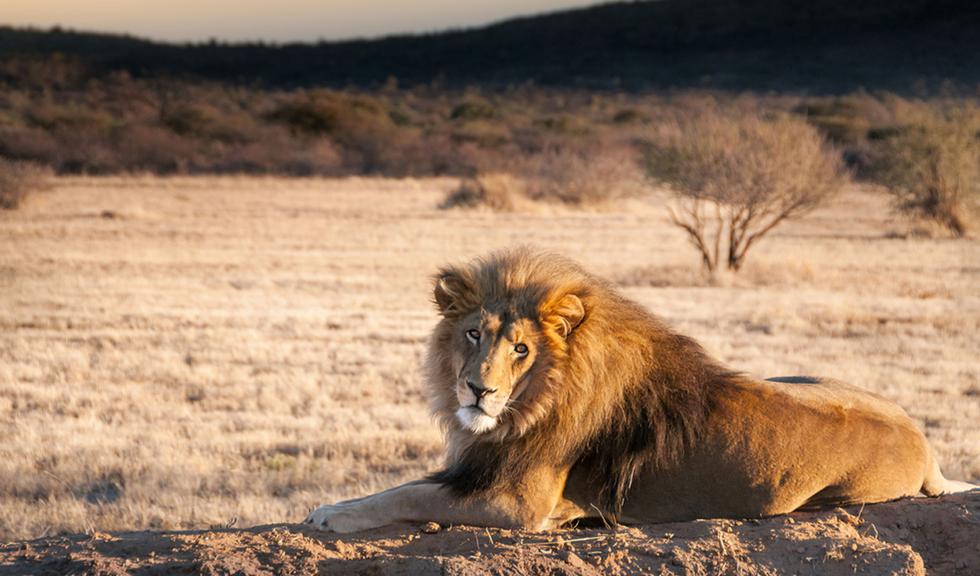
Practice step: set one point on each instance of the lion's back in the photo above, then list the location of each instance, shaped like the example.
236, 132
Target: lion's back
828, 393
772, 446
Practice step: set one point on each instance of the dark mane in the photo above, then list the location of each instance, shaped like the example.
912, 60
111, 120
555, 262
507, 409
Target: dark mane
471, 473
652, 428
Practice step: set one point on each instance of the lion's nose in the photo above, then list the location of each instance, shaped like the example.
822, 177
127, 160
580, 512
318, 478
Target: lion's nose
478, 391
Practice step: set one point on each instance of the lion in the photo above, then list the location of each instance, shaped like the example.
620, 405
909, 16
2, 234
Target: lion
563, 400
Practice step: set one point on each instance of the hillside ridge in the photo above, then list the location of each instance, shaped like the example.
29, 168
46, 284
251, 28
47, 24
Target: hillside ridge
819, 47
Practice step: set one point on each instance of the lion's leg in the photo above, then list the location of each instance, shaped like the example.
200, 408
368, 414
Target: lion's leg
416, 502
402, 503
566, 511
536, 507
375, 495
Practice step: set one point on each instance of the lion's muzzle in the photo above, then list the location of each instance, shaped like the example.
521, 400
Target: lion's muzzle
476, 419
479, 391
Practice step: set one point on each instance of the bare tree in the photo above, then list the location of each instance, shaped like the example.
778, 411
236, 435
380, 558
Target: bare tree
736, 177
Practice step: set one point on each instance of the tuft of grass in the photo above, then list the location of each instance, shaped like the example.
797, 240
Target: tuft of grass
496, 191
19, 180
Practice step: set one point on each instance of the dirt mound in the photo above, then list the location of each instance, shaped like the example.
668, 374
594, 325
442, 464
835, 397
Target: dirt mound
905, 537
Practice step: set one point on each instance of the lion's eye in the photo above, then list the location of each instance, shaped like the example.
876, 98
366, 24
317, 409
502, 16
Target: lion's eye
473, 335
521, 349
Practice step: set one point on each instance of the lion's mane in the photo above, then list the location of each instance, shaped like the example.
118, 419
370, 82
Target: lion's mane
621, 393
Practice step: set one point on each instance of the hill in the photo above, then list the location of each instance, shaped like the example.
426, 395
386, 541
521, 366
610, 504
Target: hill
816, 46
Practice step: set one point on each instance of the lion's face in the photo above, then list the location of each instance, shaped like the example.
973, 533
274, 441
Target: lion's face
494, 357
497, 347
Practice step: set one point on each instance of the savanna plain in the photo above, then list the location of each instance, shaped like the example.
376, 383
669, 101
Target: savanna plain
195, 352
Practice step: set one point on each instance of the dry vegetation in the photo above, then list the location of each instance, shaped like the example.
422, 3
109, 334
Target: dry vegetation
191, 352
568, 145
19, 180
595, 179
738, 177
497, 191
932, 167
518, 146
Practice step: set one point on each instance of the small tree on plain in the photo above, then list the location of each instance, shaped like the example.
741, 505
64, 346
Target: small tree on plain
736, 178
932, 167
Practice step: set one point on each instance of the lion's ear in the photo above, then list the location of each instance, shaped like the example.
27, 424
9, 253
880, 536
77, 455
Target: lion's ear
568, 312
452, 293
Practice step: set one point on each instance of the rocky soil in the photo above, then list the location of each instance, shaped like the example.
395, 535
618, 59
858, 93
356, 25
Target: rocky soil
918, 536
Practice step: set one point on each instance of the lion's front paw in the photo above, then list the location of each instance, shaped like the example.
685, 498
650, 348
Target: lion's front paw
338, 518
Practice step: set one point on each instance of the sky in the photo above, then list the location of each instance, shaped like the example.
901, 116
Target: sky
269, 20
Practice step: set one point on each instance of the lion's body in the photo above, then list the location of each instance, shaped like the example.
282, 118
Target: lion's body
774, 447
606, 412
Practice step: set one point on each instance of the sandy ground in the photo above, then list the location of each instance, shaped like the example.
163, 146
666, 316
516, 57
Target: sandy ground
179, 354
910, 537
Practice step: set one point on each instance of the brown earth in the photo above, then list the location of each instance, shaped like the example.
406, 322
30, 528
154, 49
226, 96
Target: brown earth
918, 536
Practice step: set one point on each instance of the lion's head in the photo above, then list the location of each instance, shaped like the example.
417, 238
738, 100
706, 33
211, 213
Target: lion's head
535, 360
506, 324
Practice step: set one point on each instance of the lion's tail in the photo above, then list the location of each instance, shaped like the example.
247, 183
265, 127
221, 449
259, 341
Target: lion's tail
936, 484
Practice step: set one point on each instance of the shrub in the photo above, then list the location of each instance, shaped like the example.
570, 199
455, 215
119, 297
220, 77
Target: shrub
575, 177
205, 122
361, 126
842, 130
564, 125
29, 143
315, 114
483, 134
496, 191
854, 122
473, 110
154, 148
331, 113
18, 180
932, 167
281, 154
71, 117
845, 120
738, 177
583, 177
440, 154
630, 116
187, 118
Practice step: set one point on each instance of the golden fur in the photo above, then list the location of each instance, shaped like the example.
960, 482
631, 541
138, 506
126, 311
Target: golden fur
562, 399
603, 396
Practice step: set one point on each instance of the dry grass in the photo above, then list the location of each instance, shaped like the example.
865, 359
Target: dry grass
19, 180
585, 177
241, 349
578, 178
497, 191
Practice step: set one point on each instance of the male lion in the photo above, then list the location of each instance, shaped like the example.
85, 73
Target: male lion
561, 399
